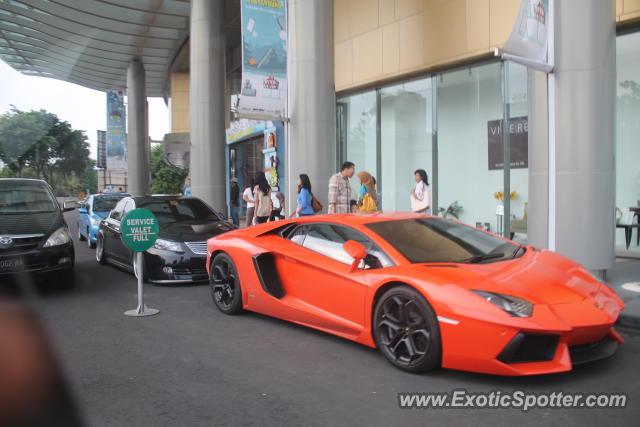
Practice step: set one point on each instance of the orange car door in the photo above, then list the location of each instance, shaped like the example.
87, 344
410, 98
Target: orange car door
314, 270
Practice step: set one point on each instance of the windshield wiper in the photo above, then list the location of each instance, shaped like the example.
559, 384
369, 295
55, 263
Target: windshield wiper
480, 258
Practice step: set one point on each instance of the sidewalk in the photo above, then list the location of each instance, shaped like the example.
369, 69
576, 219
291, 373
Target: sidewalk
627, 271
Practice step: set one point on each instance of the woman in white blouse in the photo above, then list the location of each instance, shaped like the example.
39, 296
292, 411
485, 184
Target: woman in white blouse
420, 195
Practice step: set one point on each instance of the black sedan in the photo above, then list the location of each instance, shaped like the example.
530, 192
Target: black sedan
179, 254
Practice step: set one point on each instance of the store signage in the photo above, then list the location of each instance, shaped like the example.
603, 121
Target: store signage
116, 136
518, 143
139, 230
264, 59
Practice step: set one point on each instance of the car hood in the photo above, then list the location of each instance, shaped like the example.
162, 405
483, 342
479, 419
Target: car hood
37, 223
194, 232
540, 277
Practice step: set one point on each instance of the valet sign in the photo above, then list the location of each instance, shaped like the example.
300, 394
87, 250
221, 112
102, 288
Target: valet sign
139, 230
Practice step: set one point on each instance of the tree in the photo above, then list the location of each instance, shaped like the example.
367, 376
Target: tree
37, 144
165, 179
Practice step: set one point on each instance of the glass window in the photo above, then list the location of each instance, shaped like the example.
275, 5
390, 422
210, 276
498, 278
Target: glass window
627, 129
327, 239
425, 240
358, 131
469, 106
104, 204
25, 197
116, 213
406, 140
179, 210
519, 146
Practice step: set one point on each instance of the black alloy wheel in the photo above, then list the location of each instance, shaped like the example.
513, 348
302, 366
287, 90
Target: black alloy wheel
225, 285
90, 244
100, 257
406, 331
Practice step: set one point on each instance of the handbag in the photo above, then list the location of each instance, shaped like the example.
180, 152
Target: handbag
419, 205
368, 204
316, 205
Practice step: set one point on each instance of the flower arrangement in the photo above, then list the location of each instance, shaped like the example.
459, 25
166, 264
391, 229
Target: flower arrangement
499, 195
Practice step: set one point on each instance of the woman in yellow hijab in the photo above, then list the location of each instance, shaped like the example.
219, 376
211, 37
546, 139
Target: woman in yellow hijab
367, 196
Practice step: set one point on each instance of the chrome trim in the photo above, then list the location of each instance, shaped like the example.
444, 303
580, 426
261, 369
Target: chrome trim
198, 248
447, 320
22, 236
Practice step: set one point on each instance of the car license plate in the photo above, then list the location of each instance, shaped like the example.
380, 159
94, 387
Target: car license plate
11, 264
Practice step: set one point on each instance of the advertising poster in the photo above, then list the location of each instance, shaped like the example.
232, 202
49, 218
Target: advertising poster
116, 137
264, 59
518, 140
271, 156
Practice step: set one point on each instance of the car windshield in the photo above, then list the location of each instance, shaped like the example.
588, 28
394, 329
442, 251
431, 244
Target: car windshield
188, 211
20, 197
426, 240
104, 204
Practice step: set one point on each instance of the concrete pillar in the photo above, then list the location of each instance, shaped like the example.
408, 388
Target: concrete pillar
585, 79
538, 203
311, 141
137, 131
206, 102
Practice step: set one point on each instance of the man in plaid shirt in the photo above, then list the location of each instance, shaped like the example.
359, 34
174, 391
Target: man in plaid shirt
340, 193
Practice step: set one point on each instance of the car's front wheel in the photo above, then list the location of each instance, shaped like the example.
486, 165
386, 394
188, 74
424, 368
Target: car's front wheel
406, 330
100, 256
225, 284
81, 238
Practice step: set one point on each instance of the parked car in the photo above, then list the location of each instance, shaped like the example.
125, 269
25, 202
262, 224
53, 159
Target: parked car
426, 291
92, 210
179, 254
34, 237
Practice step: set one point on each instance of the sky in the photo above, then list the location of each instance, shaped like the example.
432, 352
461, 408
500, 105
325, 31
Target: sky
85, 109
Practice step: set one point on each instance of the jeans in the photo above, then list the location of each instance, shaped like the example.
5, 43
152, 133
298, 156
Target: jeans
234, 215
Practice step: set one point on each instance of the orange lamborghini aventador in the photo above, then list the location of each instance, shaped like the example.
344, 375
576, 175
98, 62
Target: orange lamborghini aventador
426, 291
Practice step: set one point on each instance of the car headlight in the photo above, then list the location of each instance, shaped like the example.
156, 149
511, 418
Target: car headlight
95, 221
168, 245
517, 307
58, 237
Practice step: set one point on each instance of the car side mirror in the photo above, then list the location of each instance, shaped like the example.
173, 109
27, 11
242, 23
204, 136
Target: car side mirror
356, 251
82, 210
69, 205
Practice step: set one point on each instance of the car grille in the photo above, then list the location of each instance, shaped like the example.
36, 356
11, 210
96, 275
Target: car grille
198, 248
189, 271
22, 243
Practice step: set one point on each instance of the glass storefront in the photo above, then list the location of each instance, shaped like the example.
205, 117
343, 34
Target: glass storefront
627, 133
465, 131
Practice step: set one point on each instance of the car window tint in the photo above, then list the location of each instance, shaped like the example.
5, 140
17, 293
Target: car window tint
104, 204
327, 239
116, 213
298, 235
424, 240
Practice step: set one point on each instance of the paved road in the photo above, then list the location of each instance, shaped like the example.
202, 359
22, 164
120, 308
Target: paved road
193, 366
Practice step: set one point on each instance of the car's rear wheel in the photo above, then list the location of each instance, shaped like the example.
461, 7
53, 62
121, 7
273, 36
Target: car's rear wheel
100, 256
90, 244
406, 331
225, 284
81, 238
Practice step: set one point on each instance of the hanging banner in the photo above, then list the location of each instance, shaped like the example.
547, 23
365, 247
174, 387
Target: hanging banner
264, 59
527, 43
116, 136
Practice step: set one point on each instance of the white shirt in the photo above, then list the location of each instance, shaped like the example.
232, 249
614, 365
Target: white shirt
422, 191
274, 200
247, 192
